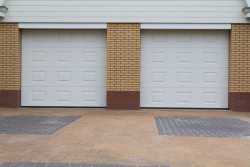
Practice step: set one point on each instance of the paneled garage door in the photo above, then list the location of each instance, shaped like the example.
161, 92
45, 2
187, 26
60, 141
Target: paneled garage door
63, 68
184, 69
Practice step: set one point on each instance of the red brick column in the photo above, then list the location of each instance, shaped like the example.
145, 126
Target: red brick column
123, 66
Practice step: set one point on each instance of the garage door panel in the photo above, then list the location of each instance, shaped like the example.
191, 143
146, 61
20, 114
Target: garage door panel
63, 38
64, 68
183, 57
184, 77
183, 98
86, 57
64, 96
184, 69
63, 76
173, 38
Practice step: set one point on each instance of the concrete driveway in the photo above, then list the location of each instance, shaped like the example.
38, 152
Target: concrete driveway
101, 138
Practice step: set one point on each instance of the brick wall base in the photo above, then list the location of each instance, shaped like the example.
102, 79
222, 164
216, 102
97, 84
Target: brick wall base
123, 100
10, 98
239, 101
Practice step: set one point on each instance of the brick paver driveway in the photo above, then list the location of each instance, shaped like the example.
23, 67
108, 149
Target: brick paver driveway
101, 138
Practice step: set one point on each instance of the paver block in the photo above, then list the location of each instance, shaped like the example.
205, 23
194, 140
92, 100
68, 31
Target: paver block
7, 164
103, 165
39, 164
58, 165
202, 127
35, 125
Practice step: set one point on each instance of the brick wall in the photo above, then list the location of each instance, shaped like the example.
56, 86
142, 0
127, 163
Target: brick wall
123, 66
239, 68
9, 65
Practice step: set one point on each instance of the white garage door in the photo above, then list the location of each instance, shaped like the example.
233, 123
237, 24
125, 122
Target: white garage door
63, 68
184, 69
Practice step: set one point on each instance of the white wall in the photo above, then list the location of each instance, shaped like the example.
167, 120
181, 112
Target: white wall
141, 11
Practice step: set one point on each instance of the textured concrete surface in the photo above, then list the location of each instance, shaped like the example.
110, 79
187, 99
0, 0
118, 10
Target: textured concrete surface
102, 136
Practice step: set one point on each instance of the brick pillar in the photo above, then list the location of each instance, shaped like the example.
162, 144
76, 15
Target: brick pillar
239, 68
123, 66
9, 65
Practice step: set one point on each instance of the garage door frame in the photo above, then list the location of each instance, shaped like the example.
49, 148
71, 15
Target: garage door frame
155, 27
83, 27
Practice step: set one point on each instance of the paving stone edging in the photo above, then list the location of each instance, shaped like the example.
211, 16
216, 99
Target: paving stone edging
42, 164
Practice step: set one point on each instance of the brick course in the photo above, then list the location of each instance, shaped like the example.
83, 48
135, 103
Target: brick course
10, 65
10, 98
239, 68
239, 101
126, 100
123, 66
